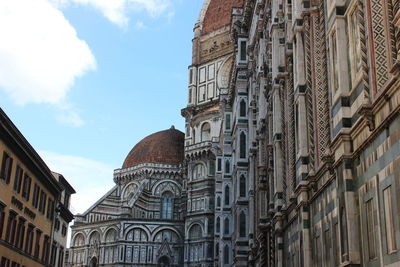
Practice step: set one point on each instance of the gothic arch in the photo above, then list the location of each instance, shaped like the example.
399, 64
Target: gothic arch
171, 185
133, 227
93, 236
107, 231
192, 228
141, 231
129, 189
163, 228
81, 236
94, 262
93, 231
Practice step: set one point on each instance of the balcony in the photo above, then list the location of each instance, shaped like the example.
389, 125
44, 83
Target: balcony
204, 146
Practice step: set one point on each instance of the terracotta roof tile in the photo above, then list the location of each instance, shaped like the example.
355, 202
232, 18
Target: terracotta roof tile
218, 14
164, 147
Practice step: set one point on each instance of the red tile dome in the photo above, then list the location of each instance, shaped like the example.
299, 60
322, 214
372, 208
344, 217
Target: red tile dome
219, 14
165, 147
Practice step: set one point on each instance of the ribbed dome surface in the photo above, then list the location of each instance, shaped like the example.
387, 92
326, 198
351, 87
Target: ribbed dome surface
219, 14
165, 147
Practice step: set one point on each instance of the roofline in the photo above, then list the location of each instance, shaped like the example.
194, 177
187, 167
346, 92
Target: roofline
98, 201
65, 183
10, 135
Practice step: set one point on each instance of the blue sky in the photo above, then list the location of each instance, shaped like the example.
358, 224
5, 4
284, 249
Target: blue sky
85, 80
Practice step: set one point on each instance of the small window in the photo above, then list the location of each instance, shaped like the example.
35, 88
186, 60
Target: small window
242, 144
227, 195
202, 93
20, 233
219, 164
29, 239
227, 122
218, 201
35, 196
190, 76
167, 206
211, 71
242, 108
6, 167
227, 166
26, 188
226, 226
11, 225
218, 225
37, 243
226, 254
211, 169
202, 75
18, 179
242, 186
242, 224
42, 201
50, 209
243, 51
210, 90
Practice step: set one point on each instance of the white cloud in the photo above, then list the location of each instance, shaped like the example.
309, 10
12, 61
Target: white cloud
91, 179
40, 53
117, 11
69, 115
140, 25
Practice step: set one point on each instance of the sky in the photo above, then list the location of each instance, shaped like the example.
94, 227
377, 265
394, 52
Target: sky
85, 80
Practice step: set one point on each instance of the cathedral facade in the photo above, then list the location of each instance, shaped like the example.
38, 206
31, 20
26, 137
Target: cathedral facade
291, 150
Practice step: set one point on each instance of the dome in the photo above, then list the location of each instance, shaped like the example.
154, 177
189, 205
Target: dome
165, 147
219, 14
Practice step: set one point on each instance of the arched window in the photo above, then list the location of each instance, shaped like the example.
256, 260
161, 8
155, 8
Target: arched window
226, 254
111, 236
206, 132
227, 166
217, 249
94, 238
242, 224
195, 232
242, 108
242, 149
167, 235
193, 136
242, 186
227, 195
226, 226
218, 226
79, 240
199, 171
167, 205
137, 235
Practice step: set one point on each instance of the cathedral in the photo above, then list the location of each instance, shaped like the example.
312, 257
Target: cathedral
291, 150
